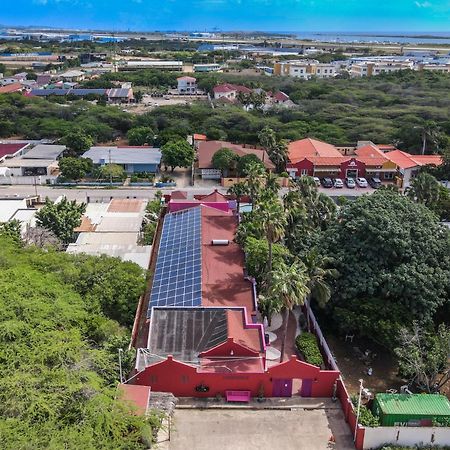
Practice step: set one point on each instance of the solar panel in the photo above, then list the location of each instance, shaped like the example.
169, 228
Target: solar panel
178, 274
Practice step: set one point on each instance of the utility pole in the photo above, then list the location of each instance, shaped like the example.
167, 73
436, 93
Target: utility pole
359, 407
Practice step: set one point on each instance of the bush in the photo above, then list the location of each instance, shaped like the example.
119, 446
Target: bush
284, 175
306, 344
366, 418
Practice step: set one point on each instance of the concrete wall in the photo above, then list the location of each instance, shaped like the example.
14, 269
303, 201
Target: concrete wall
406, 436
23, 180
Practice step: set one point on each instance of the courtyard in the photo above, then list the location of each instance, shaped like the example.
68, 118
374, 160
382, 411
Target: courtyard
241, 429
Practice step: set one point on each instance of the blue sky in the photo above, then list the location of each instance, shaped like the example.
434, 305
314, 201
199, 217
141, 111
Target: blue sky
267, 15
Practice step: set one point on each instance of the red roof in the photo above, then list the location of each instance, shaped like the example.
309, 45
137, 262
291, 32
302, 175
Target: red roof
371, 155
406, 161
299, 150
248, 337
178, 195
281, 97
328, 160
207, 149
14, 87
223, 282
215, 196
199, 137
137, 395
10, 149
228, 87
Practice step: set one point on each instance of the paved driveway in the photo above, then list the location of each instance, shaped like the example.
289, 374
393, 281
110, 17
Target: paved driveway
233, 429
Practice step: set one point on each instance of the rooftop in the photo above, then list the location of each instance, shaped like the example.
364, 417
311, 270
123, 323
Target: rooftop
13, 87
124, 155
303, 148
10, 149
206, 150
406, 161
428, 404
43, 151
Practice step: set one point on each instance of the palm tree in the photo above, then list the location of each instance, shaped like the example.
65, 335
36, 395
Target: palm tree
429, 131
255, 172
318, 274
289, 284
424, 189
238, 190
273, 223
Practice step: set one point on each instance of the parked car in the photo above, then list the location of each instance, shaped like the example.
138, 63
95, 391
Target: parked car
350, 182
375, 182
317, 181
361, 182
338, 183
327, 182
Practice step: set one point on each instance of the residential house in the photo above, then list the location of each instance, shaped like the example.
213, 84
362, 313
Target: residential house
11, 88
199, 334
207, 149
120, 95
11, 150
229, 91
73, 75
133, 159
187, 85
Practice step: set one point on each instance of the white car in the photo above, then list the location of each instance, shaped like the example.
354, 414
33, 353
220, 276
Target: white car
350, 182
361, 182
338, 183
317, 181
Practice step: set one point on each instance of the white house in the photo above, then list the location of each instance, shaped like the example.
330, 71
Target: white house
187, 85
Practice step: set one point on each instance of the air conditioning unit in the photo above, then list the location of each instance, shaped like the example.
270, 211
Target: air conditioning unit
220, 242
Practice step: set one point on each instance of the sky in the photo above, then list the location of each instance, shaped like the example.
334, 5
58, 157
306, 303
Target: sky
262, 15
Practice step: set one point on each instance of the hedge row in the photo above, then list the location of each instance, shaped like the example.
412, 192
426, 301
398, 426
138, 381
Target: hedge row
306, 344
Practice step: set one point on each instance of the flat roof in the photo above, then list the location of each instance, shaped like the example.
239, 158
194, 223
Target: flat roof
116, 223
44, 151
20, 162
126, 155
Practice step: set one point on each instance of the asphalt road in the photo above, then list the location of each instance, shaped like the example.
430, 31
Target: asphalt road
102, 194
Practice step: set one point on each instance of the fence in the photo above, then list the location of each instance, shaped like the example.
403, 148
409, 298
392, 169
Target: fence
406, 436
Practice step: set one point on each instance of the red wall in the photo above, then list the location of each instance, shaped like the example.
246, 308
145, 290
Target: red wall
304, 164
353, 164
181, 379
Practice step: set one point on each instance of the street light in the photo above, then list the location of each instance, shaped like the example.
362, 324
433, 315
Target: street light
359, 407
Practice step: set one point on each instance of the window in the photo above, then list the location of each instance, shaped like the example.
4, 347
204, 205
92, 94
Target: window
304, 172
388, 175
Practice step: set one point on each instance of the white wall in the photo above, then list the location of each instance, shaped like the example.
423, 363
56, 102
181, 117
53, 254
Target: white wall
8, 180
408, 436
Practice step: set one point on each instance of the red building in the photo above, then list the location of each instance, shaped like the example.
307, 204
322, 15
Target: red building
199, 333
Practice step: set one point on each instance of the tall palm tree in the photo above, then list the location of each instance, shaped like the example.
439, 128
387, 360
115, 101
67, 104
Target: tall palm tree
315, 265
273, 223
255, 173
289, 284
429, 131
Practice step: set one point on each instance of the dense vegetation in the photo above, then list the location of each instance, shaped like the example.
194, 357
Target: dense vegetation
58, 352
388, 108
306, 344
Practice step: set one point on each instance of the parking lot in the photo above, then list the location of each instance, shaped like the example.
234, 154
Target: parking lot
236, 429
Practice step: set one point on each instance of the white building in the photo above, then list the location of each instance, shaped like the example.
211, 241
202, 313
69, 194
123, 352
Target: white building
305, 69
186, 85
368, 69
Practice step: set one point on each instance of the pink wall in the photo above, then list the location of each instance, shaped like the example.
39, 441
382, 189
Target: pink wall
181, 379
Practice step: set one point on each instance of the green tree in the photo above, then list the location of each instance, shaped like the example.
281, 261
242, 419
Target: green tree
177, 154
268, 306
112, 172
393, 263
140, 136
423, 356
276, 149
224, 160
75, 168
77, 142
61, 217
13, 230
246, 162
424, 189
429, 132
289, 284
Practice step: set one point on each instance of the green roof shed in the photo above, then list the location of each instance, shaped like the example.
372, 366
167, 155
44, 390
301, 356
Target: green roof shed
413, 410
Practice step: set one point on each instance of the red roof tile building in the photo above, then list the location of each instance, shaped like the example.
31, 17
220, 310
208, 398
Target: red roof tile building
316, 158
201, 331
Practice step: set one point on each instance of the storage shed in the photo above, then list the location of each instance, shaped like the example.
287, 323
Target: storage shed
411, 410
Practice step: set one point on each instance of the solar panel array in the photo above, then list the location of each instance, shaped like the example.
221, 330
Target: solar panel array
178, 275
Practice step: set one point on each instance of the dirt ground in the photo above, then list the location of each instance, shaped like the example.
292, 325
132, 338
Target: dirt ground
301, 429
353, 366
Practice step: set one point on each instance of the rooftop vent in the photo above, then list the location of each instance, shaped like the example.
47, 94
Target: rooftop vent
220, 242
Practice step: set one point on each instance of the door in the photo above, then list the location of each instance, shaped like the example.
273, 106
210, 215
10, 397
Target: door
281, 387
352, 173
306, 388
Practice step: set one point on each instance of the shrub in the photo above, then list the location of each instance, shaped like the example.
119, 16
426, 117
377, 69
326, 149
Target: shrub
284, 175
366, 418
306, 344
